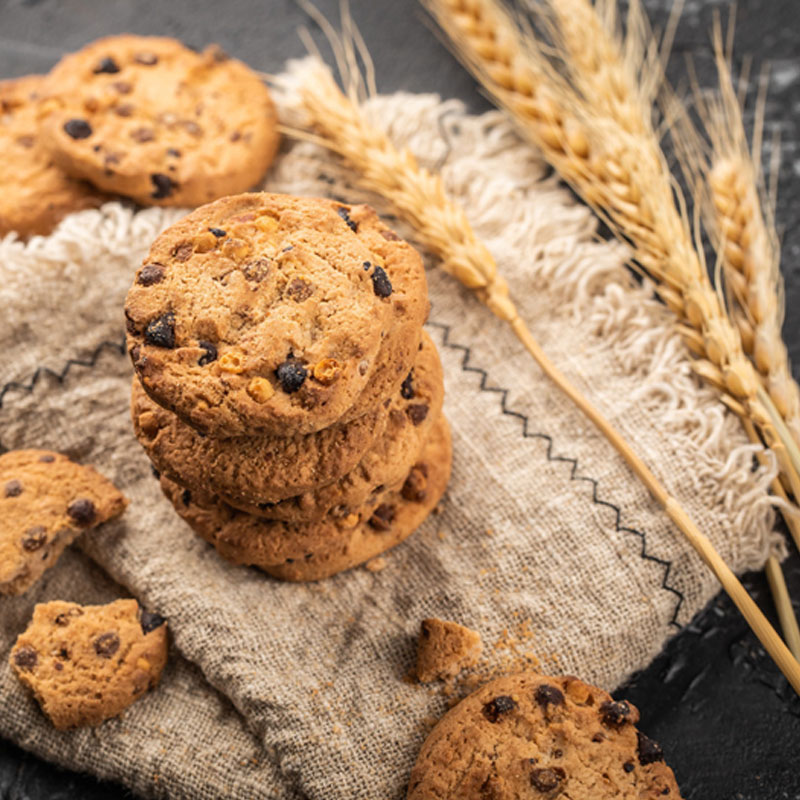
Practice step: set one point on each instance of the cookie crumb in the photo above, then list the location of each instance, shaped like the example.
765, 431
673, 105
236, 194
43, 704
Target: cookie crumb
376, 564
444, 649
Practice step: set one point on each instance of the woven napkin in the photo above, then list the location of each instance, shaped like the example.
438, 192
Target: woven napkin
545, 542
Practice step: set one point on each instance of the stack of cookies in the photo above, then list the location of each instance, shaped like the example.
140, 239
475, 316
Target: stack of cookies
285, 391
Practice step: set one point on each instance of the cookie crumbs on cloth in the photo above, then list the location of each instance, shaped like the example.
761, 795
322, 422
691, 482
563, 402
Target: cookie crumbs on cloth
46, 502
86, 664
444, 649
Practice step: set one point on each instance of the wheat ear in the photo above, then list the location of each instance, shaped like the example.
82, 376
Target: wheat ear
624, 177
338, 123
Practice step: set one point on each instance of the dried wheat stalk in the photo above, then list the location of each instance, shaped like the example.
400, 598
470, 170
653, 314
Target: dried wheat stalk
616, 164
339, 124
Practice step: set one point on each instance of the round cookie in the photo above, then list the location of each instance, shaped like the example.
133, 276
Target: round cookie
46, 502
148, 118
309, 552
34, 194
85, 664
527, 736
414, 410
266, 313
250, 470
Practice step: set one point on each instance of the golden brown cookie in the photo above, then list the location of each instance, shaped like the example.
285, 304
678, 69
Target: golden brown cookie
34, 193
272, 314
413, 412
150, 119
445, 648
528, 736
309, 552
85, 664
46, 501
250, 470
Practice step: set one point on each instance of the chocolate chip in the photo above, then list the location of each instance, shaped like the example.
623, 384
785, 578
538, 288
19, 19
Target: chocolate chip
545, 779
186, 497
299, 290
218, 232
382, 517
598, 737
63, 618
34, 538
123, 87
649, 751
344, 213
143, 135
107, 65
150, 621
548, 695
47, 459
629, 766
160, 332
417, 412
13, 489
81, 511
416, 484
124, 110
615, 713
381, 284
26, 658
209, 355
256, 270
407, 387
182, 251
291, 375
131, 327
146, 59
106, 644
162, 186
150, 274
235, 136
171, 151
58, 666
78, 128
500, 705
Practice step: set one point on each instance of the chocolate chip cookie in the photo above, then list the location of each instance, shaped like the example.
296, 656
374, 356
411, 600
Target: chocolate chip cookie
46, 501
251, 470
414, 409
308, 552
85, 664
34, 193
267, 314
150, 119
528, 736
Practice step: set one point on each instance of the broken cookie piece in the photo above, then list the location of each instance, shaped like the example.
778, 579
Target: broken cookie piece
444, 649
86, 664
46, 501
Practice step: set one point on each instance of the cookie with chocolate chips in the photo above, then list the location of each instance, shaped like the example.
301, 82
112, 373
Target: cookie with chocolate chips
258, 314
529, 736
312, 551
86, 664
35, 194
150, 119
46, 501
231, 472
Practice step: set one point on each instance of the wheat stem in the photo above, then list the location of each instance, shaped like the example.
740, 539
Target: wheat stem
608, 152
418, 195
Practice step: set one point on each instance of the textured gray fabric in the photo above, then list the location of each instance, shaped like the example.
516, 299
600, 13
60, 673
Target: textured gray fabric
540, 538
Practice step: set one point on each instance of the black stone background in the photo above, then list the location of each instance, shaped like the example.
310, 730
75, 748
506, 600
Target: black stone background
728, 721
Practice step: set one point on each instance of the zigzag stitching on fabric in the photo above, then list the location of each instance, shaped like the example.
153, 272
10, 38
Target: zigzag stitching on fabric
60, 376
574, 476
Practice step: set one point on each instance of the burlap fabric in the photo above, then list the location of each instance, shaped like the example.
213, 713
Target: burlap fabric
545, 542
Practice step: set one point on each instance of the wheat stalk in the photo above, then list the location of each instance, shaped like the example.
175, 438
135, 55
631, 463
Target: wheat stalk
617, 166
338, 122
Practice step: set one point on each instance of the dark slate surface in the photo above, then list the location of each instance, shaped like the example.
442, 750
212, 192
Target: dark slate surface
729, 723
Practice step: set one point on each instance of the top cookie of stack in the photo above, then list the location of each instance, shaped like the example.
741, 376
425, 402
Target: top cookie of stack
142, 117
267, 314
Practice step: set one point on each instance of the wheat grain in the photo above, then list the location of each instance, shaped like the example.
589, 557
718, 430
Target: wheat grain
617, 165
